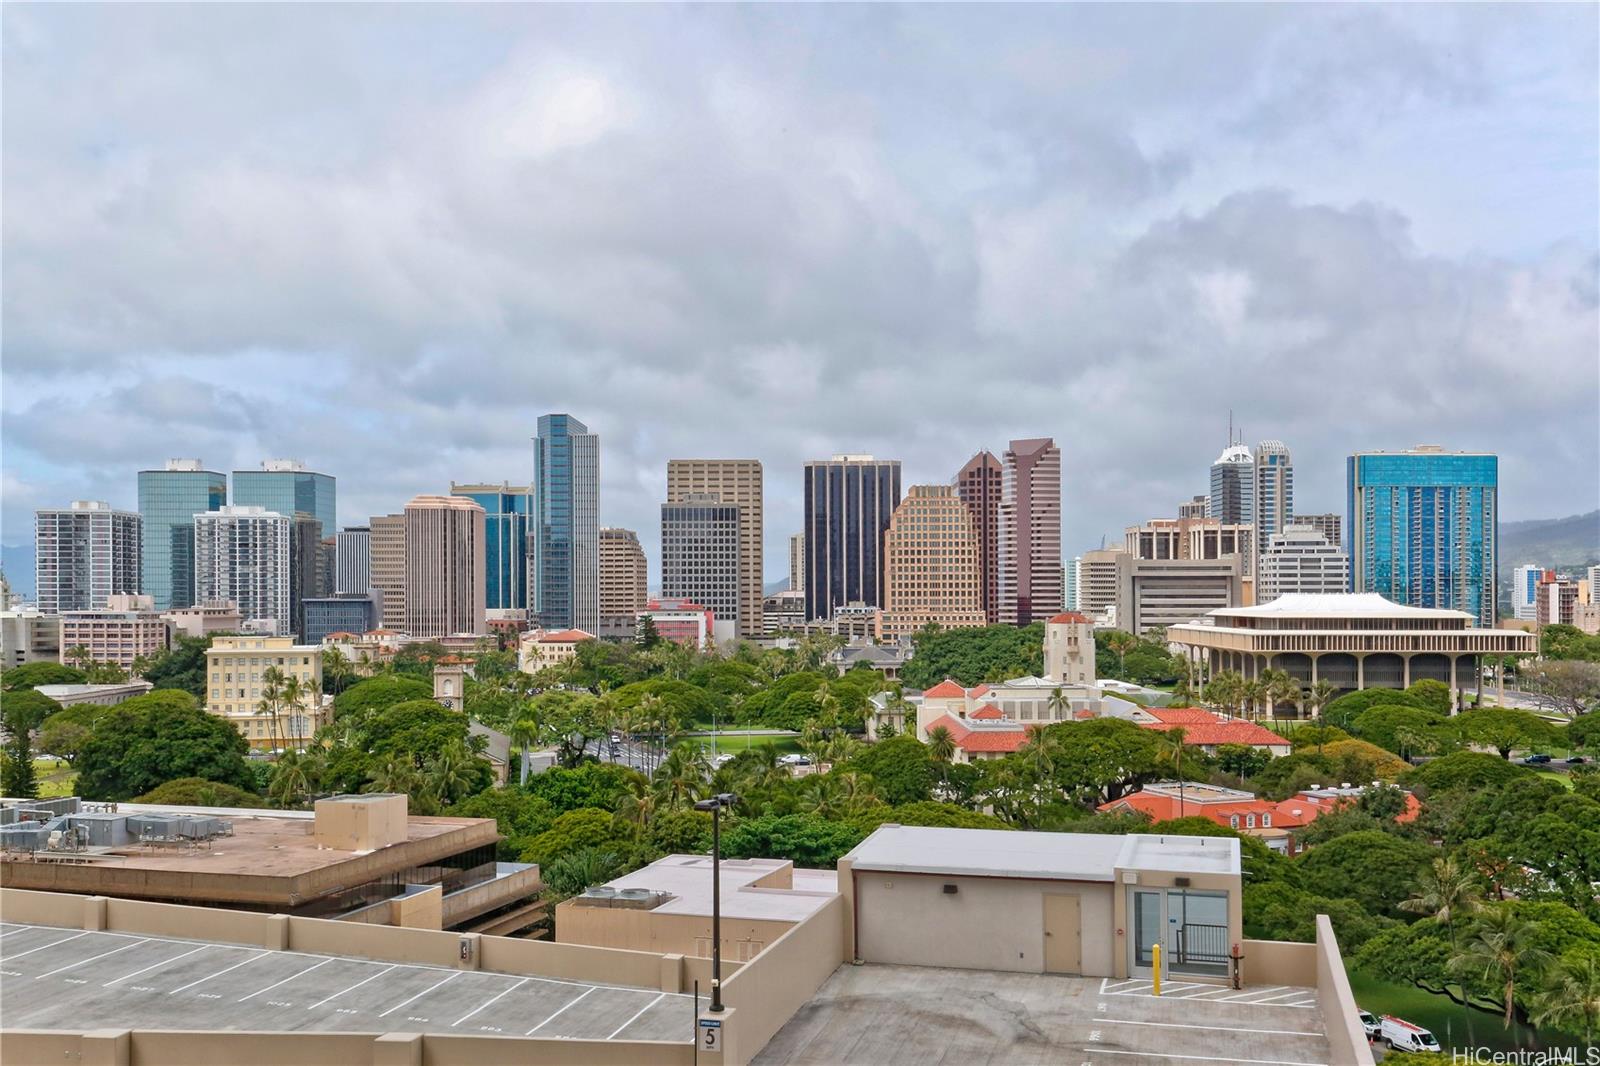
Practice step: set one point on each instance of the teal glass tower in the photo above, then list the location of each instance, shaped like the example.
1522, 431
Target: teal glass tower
565, 572
168, 501
1422, 528
507, 510
287, 487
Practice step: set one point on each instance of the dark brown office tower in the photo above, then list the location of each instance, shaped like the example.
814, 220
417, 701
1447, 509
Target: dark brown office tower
978, 484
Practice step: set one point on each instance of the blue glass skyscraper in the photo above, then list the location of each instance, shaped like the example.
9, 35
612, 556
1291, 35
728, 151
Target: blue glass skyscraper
168, 501
1422, 528
565, 577
507, 512
287, 487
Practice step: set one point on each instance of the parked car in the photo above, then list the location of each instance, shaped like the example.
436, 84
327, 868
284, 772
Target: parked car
1574, 760
1371, 1024
793, 760
1401, 1034
1536, 760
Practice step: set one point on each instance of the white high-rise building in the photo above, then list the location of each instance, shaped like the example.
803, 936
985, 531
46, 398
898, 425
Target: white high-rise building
1594, 585
1524, 589
85, 554
241, 553
1299, 559
1274, 490
353, 561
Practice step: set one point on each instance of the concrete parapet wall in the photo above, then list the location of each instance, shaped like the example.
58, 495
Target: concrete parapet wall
767, 990
1279, 962
1346, 1039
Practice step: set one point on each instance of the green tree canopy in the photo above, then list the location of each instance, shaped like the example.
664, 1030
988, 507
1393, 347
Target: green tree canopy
973, 655
900, 767
807, 840
1464, 769
1399, 728
1503, 728
198, 792
1342, 712
376, 693
155, 738
182, 665
25, 710
584, 828
1374, 868
593, 784
32, 675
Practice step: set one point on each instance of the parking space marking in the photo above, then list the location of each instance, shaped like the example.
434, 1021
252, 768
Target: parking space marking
1206, 1058
552, 1017
635, 1017
1287, 995
1229, 1028
286, 980
219, 973
52, 944
1210, 990
419, 995
1254, 992
158, 965
16, 929
91, 958
353, 987
486, 1003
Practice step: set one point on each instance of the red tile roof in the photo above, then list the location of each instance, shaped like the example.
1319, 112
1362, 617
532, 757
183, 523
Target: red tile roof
341, 634
1069, 618
944, 690
988, 711
1083, 714
1212, 734
1183, 715
565, 636
981, 690
972, 740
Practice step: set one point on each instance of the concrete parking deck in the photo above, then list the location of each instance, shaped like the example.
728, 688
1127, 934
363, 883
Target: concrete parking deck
882, 1015
55, 978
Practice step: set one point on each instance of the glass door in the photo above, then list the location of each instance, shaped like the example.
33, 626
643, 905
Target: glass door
1147, 927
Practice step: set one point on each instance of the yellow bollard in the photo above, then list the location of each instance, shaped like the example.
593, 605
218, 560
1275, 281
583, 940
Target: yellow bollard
1155, 964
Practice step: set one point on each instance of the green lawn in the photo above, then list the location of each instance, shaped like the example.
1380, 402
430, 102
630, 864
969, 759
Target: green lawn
1453, 1025
1565, 780
738, 743
56, 778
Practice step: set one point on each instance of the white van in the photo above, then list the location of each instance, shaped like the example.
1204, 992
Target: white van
1407, 1037
1370, 1024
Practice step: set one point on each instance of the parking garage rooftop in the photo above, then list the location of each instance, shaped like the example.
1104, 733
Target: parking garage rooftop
1046, 856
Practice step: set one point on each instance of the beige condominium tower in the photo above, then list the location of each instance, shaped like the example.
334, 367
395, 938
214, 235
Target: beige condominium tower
387, 566
931, 563
445, 579
737, 482
623, 579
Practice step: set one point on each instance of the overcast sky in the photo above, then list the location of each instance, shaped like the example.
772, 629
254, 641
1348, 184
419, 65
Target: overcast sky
385, 239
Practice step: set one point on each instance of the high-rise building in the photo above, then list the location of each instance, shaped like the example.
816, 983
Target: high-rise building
1594, 584
738, 482
1194, 507
1029, 554
564, 584
1097, 581
507, 511
1187, 538
1154, 594
1069, 584
931, 568
242, 553
307, 568
980, 484
444, 566
353, 614
352, 560
624, 582
287, 487
388, 559
848, 501
1299, 559
1524, 590
797, 563
1274, 491
168, 501
1422, 528
700, 541
1331, 526
84, 554
1555, 602
1233, 487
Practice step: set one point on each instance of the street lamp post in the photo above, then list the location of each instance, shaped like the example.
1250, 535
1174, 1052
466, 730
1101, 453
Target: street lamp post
715, 804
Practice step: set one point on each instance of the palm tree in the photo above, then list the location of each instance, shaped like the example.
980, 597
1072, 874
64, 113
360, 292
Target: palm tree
638, 807
526, 731
840, 749
1057, 704
1445, 891
1279, 687
1318, 696
1572, 998
271, 698
294, 694
1251, 693
449, 774
856, 792
336, 668
396, 774
941, 744
293, 778
1502, 947
682, 776
1169, 743
1121, 642
812, 742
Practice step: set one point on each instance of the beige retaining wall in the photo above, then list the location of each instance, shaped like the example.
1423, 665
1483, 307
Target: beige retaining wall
766, 991
1347, 1041
1279, 962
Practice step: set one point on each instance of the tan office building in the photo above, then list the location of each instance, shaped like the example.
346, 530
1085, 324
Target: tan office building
624, 576
1097, 581
235, 689
388, 567
126, 629
1029, 547
979, 483
735, 481
931, 571
445, 577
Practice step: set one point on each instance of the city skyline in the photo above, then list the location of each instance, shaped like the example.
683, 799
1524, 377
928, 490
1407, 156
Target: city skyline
1115, 275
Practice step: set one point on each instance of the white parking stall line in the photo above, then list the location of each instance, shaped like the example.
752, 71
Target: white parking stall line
1204, 1058
41, 947
419, 995
1104, 987
1229, 1028
157, 966
1134, 990
219, 973
92, 958
1287, 995
1209, 990
635, 1017
15, 929
286, 980
552, 1017
1252, 993
486, 1003
353, 987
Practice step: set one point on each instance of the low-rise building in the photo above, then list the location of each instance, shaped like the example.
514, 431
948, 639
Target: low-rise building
1555, 600
540, 648
29, 636
108, 695
887, 659
237, 689
1153, 594
1209, 731
783, 612
1272, 822
344, 613
126, 629
680, 621
205, 619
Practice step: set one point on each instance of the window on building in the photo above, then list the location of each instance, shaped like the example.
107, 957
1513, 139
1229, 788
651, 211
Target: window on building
1233, 821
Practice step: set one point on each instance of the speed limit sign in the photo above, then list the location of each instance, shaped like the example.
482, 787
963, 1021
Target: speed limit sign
710, 1034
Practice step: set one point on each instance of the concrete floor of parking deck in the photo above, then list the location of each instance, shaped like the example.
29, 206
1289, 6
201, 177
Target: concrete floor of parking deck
53, 978
884, 1015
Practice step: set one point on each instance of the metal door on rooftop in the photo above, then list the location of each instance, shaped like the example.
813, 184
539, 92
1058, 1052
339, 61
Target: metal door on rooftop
1063, 934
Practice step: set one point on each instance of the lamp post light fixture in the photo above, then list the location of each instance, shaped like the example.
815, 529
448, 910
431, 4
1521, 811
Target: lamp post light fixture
715, 805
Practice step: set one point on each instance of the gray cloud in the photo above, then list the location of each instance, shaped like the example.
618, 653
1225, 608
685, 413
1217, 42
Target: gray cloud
387, 246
